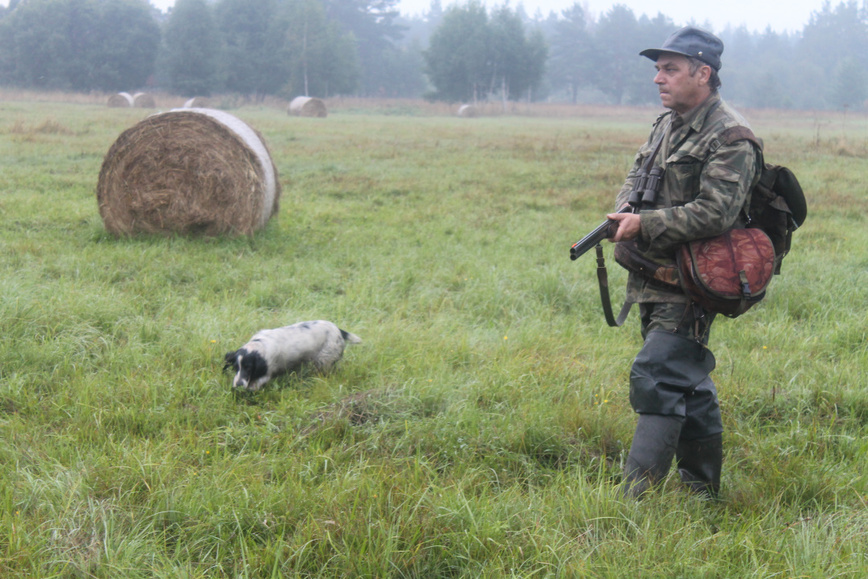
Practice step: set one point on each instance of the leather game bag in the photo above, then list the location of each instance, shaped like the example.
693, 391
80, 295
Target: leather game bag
729, 273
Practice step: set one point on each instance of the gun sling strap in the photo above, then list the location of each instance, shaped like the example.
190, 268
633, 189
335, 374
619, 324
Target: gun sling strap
603, 279
602, 274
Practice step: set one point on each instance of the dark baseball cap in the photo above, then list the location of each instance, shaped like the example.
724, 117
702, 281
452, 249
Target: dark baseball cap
692, 42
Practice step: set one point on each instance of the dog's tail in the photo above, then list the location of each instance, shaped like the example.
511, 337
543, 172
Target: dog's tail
350, 338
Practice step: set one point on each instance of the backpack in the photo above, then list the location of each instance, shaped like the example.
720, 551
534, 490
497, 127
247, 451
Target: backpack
777, 202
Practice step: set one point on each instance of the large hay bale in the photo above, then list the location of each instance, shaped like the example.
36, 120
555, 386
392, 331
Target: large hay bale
307, 107
120, 100
467, 111
143, 100
196, 103
188, 171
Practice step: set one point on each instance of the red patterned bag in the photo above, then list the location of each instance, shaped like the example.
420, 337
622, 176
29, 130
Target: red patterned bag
729, 273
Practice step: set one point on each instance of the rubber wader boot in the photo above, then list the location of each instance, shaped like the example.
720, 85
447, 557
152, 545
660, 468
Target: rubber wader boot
699, 464
650, 458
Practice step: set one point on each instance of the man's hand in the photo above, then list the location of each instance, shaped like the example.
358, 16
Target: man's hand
628, 226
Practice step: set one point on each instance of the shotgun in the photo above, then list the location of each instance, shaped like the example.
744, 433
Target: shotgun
605, 230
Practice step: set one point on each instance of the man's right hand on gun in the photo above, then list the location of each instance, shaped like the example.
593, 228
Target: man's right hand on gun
628, 226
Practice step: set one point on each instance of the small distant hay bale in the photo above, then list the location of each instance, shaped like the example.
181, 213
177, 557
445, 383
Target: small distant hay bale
190, 172
197, 103
120, 100
143, 100
467, 111
307, 107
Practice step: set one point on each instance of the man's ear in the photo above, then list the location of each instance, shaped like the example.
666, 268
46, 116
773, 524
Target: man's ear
704, 74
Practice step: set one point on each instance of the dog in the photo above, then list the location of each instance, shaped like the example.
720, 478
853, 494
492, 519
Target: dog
272, 352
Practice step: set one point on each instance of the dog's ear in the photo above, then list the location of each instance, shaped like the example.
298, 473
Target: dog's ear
260, 367
231, 360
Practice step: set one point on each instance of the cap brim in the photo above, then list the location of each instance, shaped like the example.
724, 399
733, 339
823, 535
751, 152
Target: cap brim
654, 53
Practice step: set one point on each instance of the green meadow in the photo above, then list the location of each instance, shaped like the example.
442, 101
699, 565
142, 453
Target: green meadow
479, 429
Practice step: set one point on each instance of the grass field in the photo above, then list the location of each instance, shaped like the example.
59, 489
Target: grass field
479, 429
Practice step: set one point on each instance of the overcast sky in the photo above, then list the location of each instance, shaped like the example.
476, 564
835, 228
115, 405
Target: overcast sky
788, 15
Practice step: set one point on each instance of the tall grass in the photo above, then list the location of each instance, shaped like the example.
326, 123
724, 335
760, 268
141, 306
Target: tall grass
478, 430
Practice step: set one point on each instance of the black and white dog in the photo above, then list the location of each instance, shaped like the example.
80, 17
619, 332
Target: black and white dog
273, 352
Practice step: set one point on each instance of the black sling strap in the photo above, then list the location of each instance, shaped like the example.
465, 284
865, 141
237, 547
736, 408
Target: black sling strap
602, 274
603, 279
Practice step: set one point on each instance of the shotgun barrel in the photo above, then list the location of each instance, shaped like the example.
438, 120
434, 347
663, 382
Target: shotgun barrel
603, 231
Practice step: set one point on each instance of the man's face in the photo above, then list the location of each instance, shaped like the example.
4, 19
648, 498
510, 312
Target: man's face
679, 90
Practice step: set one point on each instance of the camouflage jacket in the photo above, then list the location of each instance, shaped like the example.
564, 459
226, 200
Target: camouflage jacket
705, 186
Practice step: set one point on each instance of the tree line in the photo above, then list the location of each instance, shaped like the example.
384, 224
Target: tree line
464, 53
249, 47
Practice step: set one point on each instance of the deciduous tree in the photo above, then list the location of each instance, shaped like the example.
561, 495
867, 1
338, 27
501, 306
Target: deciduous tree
374, 26
321, 58
517, 61
572, 55
191, 49
472, 56
252, 60
457, 60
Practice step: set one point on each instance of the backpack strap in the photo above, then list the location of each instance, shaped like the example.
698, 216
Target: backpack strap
742, 133
739, 133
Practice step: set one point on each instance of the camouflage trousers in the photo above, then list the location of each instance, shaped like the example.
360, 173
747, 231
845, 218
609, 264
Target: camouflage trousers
670, 375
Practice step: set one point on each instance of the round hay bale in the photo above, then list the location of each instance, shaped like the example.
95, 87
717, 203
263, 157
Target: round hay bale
143, 100
196, 103
120, 100
188, 171
467, 111
307, 107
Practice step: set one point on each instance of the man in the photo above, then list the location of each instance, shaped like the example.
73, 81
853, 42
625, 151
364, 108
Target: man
705, 185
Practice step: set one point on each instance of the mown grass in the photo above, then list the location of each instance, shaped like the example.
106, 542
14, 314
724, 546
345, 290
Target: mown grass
479, 429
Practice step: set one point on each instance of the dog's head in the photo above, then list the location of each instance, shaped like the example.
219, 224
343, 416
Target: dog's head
251, 369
